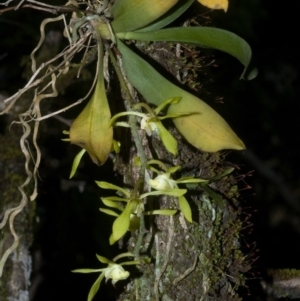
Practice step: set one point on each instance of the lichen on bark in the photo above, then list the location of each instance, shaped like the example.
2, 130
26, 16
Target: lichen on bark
198, 261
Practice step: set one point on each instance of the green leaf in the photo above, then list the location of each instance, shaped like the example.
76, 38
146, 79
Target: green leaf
173, 169
106, 185
103, 259
185, 208
159, 163
206, 129
190, 180
109, 212
76, 162
215, 38
121, 224
85, 271
134, 223
167, 139
94, 289
166, 103
134, 14
112, 204
177, 10
127, 254
91, 129
115, 117
116, 199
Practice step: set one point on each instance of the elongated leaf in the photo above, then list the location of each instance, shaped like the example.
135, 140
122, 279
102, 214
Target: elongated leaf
116, 199
86, 271
205, 129
178, 9
109, 212
94, 289
127, 254
106, 185
134, 14
216, 38
91, 129
121, 224
173, 169
167, 139
76, 162
185, 208
103, 259
111, 204
166, 103
191, 180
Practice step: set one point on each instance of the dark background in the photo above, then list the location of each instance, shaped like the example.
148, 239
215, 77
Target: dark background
263, 112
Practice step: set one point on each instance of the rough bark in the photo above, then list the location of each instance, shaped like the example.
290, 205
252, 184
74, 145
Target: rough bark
198, 261
15, 281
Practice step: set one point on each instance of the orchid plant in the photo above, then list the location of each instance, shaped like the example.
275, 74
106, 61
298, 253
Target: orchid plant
113, 271
108, 27
129, 217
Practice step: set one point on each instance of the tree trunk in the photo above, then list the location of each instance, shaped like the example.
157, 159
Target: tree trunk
198, 261
15, 280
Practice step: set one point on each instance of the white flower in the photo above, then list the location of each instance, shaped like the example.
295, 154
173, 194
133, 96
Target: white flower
115, 272
162, 182
149, 126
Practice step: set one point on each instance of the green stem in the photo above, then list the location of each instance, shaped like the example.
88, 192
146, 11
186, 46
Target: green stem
137, 140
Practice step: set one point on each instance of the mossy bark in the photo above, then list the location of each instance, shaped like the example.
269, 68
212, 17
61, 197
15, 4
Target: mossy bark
198, 261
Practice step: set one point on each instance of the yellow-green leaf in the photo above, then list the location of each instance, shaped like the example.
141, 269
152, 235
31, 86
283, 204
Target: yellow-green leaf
167, 139
109, 212
94, 289
111, 204
133, 14
91, 129
215, 4
103, 259
85, 271
127, 254
190, 180
76, 162
134, 223
205, 129
185, 208
173, 169
121, 224
106, 185
178, 9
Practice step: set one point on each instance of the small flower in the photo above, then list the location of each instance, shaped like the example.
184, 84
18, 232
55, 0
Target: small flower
151, 122
113, 271
128, 219
164, 181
